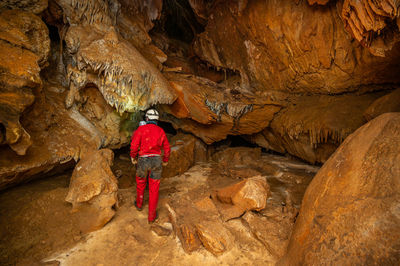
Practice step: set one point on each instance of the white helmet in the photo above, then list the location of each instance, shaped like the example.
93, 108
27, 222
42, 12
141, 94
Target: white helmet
152, 114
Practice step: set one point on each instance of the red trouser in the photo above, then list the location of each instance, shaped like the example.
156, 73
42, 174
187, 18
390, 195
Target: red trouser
154, 186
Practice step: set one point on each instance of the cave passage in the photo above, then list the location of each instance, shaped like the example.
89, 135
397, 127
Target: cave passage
254, 96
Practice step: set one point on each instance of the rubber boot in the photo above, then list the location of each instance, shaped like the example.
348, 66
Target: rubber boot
140, 187
154, 186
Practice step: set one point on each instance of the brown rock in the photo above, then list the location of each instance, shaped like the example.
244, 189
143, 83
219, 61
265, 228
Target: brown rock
55, 146
237, 156
363, 19
34, 6
124, 85
24, 46
314, 126
249, 194
385, 104
272, 233
214, 236
160, 230
242, 172
185, 231
228, 211
206, 205
93, 189
211, 111
350, 211
182, 155
272, 50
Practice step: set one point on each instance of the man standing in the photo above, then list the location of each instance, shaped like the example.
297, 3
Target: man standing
148, 141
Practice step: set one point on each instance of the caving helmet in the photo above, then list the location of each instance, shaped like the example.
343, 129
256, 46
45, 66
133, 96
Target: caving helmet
152, 114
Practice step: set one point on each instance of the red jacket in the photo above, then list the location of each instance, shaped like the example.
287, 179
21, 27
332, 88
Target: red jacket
148, 140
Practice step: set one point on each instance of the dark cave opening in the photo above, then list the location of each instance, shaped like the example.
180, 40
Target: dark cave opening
178, 21
168, 128
53, 33
2, 133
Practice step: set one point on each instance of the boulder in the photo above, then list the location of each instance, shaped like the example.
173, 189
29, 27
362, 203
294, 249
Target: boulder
93, 189
350, 211
249, 194
214, 236
184, 230
185, 151
196, 223
385, 104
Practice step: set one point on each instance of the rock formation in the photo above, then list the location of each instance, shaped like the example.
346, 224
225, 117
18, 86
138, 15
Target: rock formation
24, 48
350, 211
93, 189
385, 104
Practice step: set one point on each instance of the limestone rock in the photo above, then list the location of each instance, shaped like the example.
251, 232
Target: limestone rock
211, 111
112, 64
385, 104
350, 211
93, 189
160, 230
103, 117
196, 223
34, 6
249, 194
186, 232
24, 46
366, 20
237, 156
314, 126
229, 211
214, 236
26, 30
272, 50
274, 234
54, 146
182, 155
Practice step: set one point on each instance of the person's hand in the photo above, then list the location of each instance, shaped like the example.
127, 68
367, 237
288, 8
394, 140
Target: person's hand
164, 163
134, 161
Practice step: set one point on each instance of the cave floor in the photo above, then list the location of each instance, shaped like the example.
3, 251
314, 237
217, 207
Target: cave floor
38, 226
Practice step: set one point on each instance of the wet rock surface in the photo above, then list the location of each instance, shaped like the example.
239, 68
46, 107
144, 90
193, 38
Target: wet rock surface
349, 213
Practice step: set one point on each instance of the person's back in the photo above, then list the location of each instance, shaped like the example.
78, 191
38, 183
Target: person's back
147, 141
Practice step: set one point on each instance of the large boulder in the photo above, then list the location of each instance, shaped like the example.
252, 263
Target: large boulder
93, 189
351, 210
